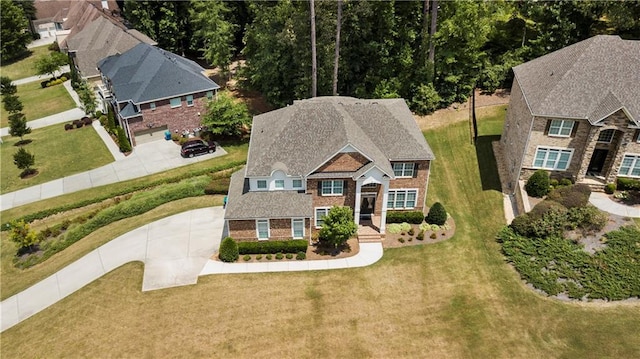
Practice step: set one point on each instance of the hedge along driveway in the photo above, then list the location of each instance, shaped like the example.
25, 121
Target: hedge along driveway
40, 102
58, 153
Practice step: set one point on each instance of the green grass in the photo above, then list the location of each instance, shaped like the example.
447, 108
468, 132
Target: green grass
25, 67
454, 299
58, 153
40, 102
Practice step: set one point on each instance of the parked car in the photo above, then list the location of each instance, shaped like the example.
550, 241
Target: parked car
196, 147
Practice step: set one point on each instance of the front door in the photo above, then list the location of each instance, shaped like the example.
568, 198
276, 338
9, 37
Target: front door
367, 205
597, 161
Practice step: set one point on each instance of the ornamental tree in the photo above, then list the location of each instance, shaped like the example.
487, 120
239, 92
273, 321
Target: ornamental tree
22, 235
226, 116
49, 64
338, 226
24, 160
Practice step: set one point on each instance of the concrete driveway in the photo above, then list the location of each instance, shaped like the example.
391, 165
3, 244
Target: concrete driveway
174, 250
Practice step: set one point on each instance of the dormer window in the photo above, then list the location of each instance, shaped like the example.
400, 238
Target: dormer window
297, 183
279, 184
262, 184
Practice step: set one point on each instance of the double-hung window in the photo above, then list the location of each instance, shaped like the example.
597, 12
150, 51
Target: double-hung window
402, 198
262, 229
279, 184
552, 158
606, 135
152, 106
190, 100
175, 102
630, 166
297, 183
403, 169
561, 128
297, 228
332, 188
262, 184
320, 213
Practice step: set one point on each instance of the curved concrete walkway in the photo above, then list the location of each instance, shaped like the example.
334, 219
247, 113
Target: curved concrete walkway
175, 250
604, 203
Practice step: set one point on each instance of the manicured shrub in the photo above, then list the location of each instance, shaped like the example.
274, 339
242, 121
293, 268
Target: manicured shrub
433, 236
268, 256
279, 256
538, 184
123, 141
401, 240
522, 225
289, 256
414, 217
554, 183
301, 255
87, 121
246, 258
98, 114
272, 247
228, 250
625, 184
588, 218
68, 126
571, 196
565, 182
610, 188
420, 235
437, 214
259, 257
63, 79
411, 232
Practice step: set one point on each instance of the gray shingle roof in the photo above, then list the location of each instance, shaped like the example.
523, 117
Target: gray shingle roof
146, 73
128, 111
590, 79
269, 204
99, 39
308, 133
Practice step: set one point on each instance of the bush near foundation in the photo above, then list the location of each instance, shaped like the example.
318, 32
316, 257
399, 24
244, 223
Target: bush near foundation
228, 250
437, 214
538, 184
414, 217
273, 247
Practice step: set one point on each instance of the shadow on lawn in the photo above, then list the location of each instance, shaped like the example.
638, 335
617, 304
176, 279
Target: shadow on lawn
487, 163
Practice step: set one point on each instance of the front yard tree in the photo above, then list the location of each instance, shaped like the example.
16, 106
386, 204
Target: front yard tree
12, 103
18, 126
24, 160
338, 226
226, 116
7, 87
22, 235
87, 97
49, 64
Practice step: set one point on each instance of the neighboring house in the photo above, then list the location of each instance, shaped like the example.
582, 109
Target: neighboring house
576, 113
328, 151
81, 14
152, 90
52, 14
99, 39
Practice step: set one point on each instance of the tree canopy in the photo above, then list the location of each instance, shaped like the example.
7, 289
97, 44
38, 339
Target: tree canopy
14, 34
212, 28
49, 64
226, 116
338, 226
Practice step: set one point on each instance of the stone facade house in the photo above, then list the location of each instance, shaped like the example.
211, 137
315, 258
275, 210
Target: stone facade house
152, 90
576, 113
328, 151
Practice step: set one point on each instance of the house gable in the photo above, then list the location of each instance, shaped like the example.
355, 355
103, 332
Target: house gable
347, 160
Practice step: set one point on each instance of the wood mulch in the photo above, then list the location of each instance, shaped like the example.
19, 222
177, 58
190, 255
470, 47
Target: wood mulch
394, 240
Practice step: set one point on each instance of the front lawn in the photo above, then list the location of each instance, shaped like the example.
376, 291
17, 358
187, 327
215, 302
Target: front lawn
40, 102
58, 153
25, 67
457, 298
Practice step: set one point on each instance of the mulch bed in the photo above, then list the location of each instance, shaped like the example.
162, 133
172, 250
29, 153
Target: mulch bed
632, 199
393, 240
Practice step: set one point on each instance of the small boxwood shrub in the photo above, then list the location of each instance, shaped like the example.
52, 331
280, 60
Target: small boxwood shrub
246, 258
610, 188
625, 184
420, 235
433, 236
228, 250
565, 182
68, 126
571, 196
415, 217
273, 247
437, 214
538, 184
279, 256
289, 256
301, 255
268, 256
259, 257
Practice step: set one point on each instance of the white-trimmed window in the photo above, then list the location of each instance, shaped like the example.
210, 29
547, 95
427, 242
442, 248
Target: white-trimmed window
279, 184
552, 158
297, 228
262, 229
561, 128
403, 169
630, 166
606, 135
297, 183
332, 188
175, 102
402, 198
262, 184
152, 106
320, 213
210, 95
190, 100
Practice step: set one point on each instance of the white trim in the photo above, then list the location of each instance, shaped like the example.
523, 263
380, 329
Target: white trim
292, 228
187, 100
335, 154
626, 112
538, 148
562, 126
404, 169
179, 99
315, 215
406, 191
268, 229
634, 163
613, 132
332, 188
152, 106
261, 188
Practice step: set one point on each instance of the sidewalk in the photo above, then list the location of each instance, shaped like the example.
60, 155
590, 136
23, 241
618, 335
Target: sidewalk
174, 250
62, 117
39, 78
604, 203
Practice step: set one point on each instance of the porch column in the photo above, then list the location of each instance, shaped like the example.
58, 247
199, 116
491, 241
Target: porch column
356, 206
385, 198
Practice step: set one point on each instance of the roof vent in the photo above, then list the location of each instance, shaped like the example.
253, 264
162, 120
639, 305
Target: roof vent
551, 74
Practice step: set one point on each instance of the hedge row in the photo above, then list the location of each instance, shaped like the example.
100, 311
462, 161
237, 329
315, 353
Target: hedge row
138, 204
273, 247
133, 188
415, 217
628, 184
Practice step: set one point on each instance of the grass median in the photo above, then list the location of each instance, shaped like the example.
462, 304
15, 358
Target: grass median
25, 67
457, 298
40, 102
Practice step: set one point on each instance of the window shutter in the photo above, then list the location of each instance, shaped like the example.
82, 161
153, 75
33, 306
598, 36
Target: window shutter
546, 129
575, 128
415, 169
345, 186
637, 136
319, 188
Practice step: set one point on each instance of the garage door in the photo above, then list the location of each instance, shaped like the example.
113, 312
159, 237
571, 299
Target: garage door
152, 134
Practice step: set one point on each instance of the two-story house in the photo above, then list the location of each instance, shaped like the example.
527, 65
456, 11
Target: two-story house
328, 151
153, 90
576, 113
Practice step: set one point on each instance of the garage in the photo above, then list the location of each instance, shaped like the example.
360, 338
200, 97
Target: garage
150, 135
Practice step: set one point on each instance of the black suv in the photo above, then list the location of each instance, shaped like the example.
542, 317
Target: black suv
195, 147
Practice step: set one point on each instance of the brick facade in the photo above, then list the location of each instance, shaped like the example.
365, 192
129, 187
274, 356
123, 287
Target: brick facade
344, 162
279, 229
419, 181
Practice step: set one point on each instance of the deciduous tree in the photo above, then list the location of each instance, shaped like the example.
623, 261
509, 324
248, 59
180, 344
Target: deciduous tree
22, 234
7, 87
50, 64
225, 116
338, 226
14, 35
24, 160
212, 28
18, 126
